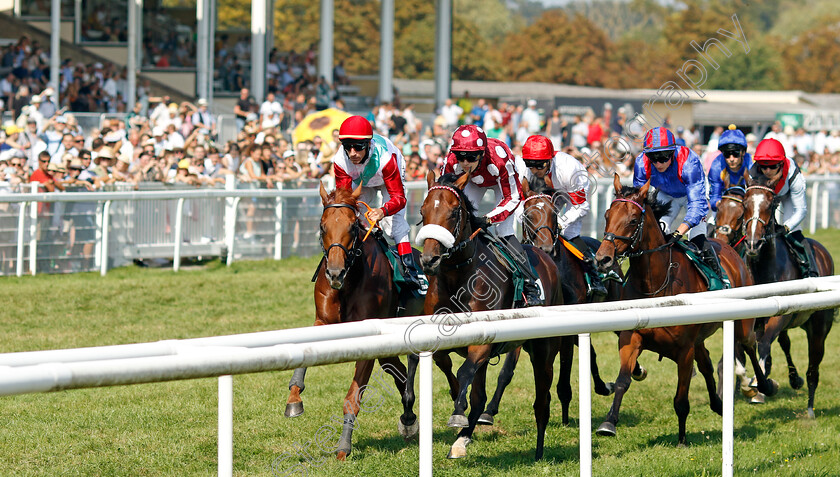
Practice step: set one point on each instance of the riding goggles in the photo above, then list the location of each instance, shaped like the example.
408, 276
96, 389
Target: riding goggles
355, 145
660, 157
532, 164
468, 156
736, 152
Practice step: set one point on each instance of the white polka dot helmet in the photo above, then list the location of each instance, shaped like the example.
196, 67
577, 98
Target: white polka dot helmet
468, 138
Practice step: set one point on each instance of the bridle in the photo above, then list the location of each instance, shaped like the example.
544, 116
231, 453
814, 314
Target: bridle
350, 252
633, 239
553, 232
725, 229
459, 231
768, 231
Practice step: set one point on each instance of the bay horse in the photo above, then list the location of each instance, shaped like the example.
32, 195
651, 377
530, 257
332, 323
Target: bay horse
659, 268
466, 275
771, 261
540, 229
353, 282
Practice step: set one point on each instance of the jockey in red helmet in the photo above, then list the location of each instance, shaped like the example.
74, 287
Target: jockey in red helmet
570, 183
490, 165
377, 164
771, 162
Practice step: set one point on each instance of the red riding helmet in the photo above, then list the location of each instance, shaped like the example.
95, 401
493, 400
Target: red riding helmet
468, 138
538, 148
355, 127
769, 152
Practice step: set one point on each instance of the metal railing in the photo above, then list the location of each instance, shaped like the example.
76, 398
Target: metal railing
89, 231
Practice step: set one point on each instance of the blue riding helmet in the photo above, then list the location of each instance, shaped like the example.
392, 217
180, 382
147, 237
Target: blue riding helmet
732, 136
659, 139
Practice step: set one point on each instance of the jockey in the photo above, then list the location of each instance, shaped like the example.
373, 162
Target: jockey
490, 165
569, 178
677, 174
790, 189
731, 164
374, 162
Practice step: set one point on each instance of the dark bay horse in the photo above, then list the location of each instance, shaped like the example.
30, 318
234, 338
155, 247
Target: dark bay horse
354, 282
540, 229
658, 268
771, 261
466, 275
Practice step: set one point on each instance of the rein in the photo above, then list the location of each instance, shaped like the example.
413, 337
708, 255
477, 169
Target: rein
553, 232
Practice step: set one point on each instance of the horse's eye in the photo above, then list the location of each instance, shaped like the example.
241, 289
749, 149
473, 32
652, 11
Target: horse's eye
634, 221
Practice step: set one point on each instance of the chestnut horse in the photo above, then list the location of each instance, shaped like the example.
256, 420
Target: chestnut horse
771, 261
354, 282
540, 229
466, 275
659, 268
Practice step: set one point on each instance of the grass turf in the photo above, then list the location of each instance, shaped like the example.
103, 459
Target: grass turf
170, 428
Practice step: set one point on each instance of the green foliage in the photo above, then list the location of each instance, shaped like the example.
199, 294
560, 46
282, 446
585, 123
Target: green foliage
761, 69
813, 60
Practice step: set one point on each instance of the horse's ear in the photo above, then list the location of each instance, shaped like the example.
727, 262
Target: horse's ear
643, 191
430, 178
526, 189
617, 183
357, 193
772, 181
324, 194
726, 182
462, 181
747, 179
548, 182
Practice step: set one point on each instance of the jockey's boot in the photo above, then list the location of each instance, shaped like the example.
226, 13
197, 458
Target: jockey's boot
529, 286
800, 250
410, 271
710, 257
595, 289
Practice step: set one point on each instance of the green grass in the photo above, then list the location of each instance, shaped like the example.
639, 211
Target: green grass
170, 428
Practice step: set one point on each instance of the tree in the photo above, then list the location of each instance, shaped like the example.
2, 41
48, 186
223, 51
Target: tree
813, 60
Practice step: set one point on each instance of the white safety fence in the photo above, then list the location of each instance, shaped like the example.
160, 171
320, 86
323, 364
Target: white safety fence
89, 231
224, 356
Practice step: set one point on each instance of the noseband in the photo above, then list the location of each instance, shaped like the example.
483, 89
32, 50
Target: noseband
553, 232
448, 252
637, 234
352, 252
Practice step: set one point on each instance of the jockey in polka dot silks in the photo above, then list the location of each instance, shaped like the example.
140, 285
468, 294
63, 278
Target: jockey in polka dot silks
375, 163
490, 165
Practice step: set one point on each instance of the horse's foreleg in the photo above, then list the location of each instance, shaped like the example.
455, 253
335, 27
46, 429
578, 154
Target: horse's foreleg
772, 328
294, 405
685, 368
444, 363
351, 406
505, 376
745, 339
817, 330
601, 388
542, 360
564, 380
629, 348
478, 398
795, 379
704, 364
466, 375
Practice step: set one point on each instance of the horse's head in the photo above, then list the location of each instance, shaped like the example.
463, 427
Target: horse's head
759, 210
730, 213
446, 216
539, 215
339, 233
625, 220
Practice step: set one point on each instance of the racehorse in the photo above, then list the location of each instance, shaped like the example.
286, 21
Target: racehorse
730, 215
659, 268
353, 282
540, 229
771, 261
467, 275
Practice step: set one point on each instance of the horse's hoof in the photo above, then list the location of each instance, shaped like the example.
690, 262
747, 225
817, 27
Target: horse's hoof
757, 399
410, 431
606, 429
811, 414
796, 382
754, 382
294, 409
459, 448
458, 420
774, 387
641, 376
610, 389
485, 419
341, 455
749, 392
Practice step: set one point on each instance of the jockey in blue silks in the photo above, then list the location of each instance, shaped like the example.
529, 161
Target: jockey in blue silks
731, 164
677, 174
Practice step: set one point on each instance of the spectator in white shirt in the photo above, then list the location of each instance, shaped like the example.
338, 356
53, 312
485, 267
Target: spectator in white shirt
451, 112
271, 110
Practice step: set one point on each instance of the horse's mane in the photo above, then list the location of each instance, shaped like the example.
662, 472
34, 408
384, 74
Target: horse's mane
659, 209
449, 181
763, 180
539, 186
